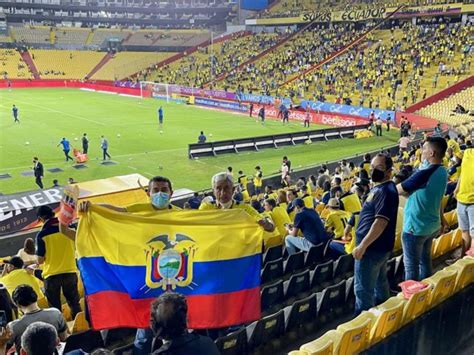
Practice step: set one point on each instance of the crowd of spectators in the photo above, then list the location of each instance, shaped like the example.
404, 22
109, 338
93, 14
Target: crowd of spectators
353, 208
393, 69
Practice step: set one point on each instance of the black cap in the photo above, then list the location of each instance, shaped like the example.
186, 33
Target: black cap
16, 261
44, 211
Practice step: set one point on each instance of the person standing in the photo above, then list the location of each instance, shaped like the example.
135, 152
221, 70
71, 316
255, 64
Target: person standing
286, 116
423, 215
251, 109
378, 126
55, 251
202, 138
388, 122
160, 117
307, 119
261, 114
66, 148
38, 172
15, 114
285, 173
464, 194
257, 180
375, 237
85, 144
104, 144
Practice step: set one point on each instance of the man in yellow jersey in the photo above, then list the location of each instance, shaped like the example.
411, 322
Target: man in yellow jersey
336, 219
15, 275
278, 214
55, 251
351, 202
223, 188
464, 194
257, 180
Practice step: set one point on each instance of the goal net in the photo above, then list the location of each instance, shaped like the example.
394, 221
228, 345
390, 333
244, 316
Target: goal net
157, 90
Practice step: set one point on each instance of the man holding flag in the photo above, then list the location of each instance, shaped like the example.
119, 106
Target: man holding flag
160, 191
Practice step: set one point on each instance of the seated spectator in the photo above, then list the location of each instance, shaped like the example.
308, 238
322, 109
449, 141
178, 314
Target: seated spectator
25, 299
168, 322
311, 226
307, 198
278, 215
27, 253
39, 338
336, 219
14, 275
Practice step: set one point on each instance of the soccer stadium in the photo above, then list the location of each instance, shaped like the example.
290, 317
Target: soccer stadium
236, 177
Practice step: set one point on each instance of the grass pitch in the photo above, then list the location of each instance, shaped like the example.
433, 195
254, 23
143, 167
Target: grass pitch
135, 142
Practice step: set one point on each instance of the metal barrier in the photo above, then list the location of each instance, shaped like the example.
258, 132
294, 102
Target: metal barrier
196, 150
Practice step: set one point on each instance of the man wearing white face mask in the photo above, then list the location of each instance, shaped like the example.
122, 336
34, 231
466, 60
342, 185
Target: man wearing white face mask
223, 187
423, 216
160, 191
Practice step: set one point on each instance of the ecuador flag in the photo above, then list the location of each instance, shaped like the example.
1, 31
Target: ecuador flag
211, 257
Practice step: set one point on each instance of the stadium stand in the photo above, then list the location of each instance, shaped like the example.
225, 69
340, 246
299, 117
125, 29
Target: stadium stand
12, 65
101, 35
267, 73
64, 64
74, 37
211, 61
124, 64
394, 68
32, 34
445, 110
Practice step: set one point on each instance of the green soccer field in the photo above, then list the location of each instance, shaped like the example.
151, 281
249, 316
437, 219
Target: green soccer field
135, 142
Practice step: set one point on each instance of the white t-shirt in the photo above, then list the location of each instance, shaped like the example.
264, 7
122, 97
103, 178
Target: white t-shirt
284, 171
404, 142
25, 256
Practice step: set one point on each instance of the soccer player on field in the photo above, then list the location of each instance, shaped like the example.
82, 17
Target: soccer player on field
160, 117
261, 114
15, 114
307, 118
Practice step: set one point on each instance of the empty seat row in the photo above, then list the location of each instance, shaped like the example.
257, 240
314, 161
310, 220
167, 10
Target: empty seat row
297, 319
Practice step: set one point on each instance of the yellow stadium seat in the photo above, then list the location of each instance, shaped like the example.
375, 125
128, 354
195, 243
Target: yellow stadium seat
442, 284
80, 323
351, 337
457, 239
442, 244
320, 346
386, 319
451, 218
298, 352
465, 272
416, 305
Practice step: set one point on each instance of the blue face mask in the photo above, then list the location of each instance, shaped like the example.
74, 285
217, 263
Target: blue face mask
160, 200
424, 164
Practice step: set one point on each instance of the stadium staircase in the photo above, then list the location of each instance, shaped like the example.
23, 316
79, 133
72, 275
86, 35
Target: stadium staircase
31, 65
90, 36
99, 65
342, 50
262, 54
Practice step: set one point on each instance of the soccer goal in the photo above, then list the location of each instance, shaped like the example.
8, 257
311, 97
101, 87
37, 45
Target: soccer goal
157, 90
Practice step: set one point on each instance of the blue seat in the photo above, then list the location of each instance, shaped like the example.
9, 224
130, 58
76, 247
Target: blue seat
272, 271
271, 296
321, 276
